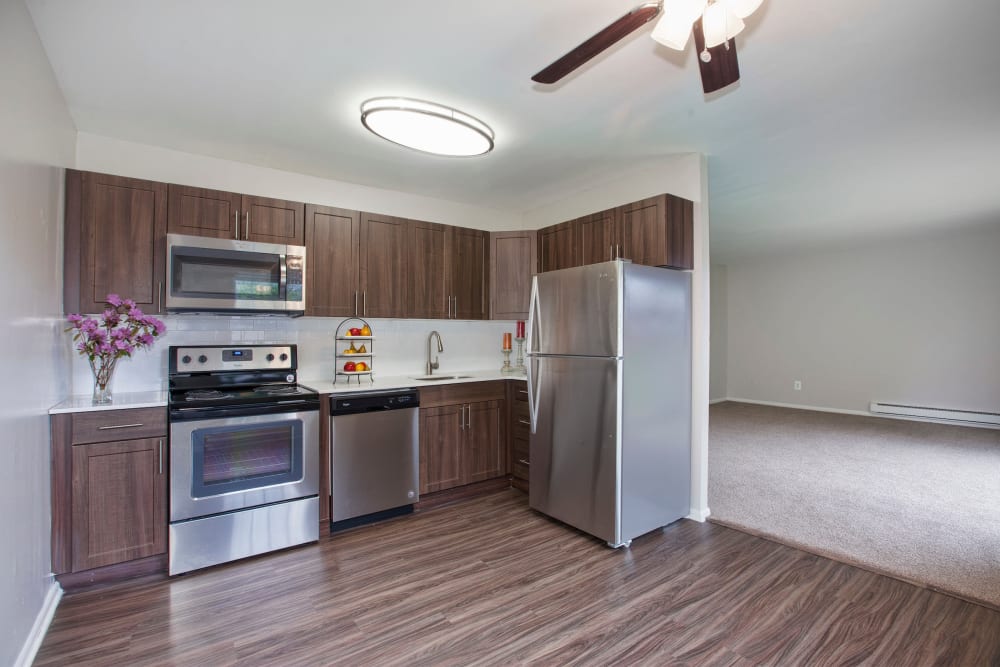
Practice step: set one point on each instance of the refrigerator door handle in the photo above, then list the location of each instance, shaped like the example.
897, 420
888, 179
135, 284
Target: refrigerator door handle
534, 319
532, 397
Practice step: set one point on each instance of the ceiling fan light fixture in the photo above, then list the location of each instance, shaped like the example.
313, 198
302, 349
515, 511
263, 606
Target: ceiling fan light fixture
743, 8
674, 27
426, 127
720, 24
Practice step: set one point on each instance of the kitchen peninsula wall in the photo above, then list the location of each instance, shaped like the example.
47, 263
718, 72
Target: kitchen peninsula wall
400, 346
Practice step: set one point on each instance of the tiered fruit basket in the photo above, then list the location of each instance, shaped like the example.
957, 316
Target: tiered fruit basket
354, 348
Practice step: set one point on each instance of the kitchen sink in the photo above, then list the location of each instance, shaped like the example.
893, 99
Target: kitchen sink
435, 378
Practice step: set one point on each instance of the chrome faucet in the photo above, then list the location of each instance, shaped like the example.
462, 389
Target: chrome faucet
435, 364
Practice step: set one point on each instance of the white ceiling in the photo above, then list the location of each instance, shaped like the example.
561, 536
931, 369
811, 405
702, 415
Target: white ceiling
853, 118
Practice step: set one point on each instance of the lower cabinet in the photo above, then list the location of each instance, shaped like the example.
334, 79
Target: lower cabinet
109, 490
520, 435
462, 435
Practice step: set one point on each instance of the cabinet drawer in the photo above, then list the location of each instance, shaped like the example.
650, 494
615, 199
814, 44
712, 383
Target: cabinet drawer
465, 392
519, 391
520, 457
114, 425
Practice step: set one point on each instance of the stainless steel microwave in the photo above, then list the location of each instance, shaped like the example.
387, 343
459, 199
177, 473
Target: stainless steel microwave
208, 275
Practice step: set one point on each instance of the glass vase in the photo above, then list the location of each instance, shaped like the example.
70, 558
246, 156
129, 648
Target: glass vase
104, 372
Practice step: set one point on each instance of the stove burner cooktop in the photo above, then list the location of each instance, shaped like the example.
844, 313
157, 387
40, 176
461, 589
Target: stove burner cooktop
206, 395
281, 390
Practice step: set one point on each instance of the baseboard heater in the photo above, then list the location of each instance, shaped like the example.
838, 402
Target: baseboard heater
966, 416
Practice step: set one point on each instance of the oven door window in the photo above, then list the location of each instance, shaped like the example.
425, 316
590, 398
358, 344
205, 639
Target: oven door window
205, 273
229, 459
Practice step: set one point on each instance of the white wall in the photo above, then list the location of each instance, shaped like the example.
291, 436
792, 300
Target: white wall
126, 158
913, 321
36, 132
720, 339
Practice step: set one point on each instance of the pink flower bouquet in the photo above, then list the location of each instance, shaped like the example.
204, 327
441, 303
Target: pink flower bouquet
121, 330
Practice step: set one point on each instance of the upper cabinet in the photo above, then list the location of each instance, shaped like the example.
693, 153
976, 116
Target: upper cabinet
115, 241
228, 215
559, 247
333, 245
383, 270
428, 265
469, 282
513, 261
656, 232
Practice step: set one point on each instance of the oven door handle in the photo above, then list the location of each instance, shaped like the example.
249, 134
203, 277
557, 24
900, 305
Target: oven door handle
283, 284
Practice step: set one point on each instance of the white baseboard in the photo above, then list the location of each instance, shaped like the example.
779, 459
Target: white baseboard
699, 514
34, 640
797, 406
863, 413
717, 400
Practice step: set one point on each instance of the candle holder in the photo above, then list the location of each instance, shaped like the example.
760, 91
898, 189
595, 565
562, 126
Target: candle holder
507, 369
519, 366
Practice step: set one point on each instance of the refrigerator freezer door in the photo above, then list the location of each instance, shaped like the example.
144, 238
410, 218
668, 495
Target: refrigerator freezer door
576, 311
575, 445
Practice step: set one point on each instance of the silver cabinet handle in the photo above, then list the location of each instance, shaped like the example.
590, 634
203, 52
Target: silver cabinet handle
246, 227
355, 303
526, 423
236, 224
108, 428
364, 303
455, 316
611, 249
469, 422
160, 442
524, 462
159, 297
462, 418
618, 255
523, 391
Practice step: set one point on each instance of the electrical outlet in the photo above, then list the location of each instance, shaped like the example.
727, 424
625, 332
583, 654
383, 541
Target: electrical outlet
797, 385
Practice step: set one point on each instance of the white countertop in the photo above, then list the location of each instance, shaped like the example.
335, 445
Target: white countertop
122, 401
401, 381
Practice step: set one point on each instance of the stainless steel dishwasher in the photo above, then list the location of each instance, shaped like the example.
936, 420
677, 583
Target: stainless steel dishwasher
374, 456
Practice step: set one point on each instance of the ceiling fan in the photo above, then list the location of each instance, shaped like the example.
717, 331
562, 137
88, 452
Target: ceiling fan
715, 23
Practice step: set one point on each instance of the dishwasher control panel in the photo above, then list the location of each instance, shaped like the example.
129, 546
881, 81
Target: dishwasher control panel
354, 403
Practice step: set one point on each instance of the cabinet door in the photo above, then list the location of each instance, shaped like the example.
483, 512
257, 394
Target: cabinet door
598, 237
558, 247
441, 439
119, 502
273, 220
115, 241
202, 212
468, 274
333, 243
483, 451
383, 266
428, 261
513, 261
659, 232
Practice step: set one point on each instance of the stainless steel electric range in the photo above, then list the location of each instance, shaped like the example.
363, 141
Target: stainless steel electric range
244, 454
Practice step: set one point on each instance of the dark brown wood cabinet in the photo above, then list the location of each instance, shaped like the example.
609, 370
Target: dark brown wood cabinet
559, 247
520, 434
383, 273
115, 241
272, 220
230, 215
428, 281
655, 232
109, 490
333, 247
468, 281
462, 434
513, 261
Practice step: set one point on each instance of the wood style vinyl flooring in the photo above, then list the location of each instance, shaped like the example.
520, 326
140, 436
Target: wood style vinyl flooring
489, 582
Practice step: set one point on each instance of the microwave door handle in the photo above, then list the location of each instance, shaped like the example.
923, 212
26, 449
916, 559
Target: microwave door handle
283, 280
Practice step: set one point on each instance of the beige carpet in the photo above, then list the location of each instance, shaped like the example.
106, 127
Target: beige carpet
914, 500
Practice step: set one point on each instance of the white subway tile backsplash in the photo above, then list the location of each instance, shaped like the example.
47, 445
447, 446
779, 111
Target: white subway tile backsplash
400, 346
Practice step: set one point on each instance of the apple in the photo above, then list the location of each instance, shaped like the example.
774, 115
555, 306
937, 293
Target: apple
355, 332
350, 367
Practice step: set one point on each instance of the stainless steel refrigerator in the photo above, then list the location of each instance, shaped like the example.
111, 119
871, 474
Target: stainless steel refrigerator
609, 389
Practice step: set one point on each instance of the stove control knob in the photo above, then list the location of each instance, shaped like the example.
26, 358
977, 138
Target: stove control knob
283, 357
270, 357
202, 359
186, 359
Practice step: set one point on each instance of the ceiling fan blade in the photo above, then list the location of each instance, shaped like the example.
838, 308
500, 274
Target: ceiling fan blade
723, 69
598, 43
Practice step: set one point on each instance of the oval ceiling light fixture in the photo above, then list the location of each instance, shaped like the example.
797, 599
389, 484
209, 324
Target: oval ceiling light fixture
426, 127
